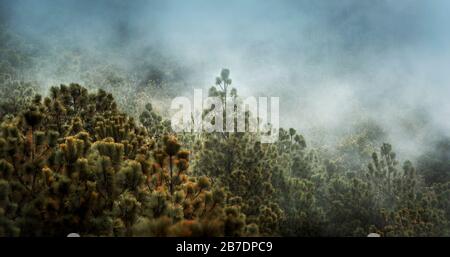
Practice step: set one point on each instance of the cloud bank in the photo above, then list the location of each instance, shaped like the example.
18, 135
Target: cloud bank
330, 62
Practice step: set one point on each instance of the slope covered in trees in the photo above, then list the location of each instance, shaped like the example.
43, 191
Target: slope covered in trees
84, 160
73, 162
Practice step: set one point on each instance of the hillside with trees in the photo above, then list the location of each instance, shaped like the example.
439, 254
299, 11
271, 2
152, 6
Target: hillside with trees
101, 160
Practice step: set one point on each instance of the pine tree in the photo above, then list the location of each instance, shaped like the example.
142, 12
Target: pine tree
72, 162
241, 164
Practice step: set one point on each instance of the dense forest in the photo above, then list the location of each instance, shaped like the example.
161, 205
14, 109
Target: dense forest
98, 157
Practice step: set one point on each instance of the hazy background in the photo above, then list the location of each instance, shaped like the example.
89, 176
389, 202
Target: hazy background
332, 63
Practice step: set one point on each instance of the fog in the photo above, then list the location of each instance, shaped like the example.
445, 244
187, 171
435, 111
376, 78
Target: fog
332, 63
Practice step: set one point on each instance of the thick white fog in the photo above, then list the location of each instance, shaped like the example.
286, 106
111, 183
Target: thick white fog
332, 63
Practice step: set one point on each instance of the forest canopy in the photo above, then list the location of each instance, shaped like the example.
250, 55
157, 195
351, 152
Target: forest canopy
72, 161
87, 145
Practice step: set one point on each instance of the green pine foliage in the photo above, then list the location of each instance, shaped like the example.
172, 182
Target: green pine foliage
72, 162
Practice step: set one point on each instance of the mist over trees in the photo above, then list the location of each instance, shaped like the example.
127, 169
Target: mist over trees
86, 144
